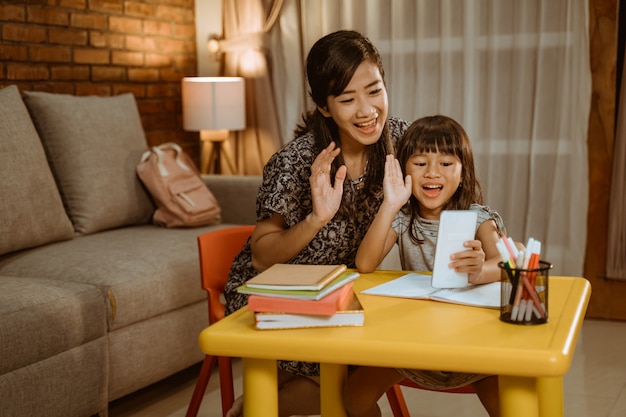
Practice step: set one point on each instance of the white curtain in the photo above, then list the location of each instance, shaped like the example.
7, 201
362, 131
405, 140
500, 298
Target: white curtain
514, 73
246, 27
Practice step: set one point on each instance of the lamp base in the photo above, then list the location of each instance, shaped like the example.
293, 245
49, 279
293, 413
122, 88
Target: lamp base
212, 152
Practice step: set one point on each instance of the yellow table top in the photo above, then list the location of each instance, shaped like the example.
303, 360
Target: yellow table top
420, 334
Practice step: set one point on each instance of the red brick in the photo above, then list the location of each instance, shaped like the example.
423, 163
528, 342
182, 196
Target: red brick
175, 45
68, 36
172, 75
108, 73
88, 89
158, 60
73, 4
47, 16
107, 6
27, 72
134, 59
125, 25
161, 90
88, 21
157, 28
138, 90
149, 107
173, 106
118, 33
23, 33
139, 43
174, 14
159, 121
185, 30
57, 88
182, 3
187, 62
12, 13
69, 73
49, 54
13, 53
143, 74
106, 40
133, 8
91, 56
157, 138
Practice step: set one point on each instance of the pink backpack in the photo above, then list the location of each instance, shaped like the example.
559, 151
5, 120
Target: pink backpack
182, 198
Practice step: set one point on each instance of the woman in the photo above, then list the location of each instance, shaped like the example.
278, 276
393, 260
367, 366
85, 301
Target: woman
321, 191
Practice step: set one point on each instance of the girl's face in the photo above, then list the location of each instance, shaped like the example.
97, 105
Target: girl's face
436, 177
360, 111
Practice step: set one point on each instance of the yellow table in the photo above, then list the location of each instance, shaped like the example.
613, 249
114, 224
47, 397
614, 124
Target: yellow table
419, 334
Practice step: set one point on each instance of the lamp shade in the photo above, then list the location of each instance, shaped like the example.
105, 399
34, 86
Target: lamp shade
213, 103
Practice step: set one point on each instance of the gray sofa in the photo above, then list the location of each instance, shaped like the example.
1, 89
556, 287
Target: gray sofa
95, 301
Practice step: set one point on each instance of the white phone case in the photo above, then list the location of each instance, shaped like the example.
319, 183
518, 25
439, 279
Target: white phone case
455, 228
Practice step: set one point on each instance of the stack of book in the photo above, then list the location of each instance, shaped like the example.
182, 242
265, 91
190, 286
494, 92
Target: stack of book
288, 296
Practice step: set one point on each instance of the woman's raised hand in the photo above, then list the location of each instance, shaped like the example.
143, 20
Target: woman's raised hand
326, 197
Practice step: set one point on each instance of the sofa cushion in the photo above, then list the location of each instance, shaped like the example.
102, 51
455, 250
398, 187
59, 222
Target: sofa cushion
94, 145
40, 318
31, 208
143, 271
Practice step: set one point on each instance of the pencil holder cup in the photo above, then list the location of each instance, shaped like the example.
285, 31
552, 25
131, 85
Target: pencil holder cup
524, 294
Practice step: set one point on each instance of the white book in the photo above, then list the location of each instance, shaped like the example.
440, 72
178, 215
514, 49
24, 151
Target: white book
455, 228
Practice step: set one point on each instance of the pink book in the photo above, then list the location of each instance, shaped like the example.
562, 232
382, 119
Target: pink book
326, 306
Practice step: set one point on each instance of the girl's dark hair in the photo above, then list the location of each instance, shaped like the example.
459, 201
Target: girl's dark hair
330, 65
441, 134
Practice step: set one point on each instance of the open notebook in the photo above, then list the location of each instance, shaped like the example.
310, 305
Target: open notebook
418, 286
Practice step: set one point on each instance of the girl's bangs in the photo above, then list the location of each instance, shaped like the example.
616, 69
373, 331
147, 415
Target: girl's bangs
438, 143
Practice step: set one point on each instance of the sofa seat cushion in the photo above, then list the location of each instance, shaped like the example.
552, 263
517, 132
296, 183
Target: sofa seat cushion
142, 271
31, 208
93, 146
41, 318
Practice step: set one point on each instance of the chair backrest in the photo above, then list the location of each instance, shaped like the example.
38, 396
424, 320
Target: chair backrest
217, 250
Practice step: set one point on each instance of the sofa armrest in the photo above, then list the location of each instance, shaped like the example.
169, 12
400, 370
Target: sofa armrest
236, 195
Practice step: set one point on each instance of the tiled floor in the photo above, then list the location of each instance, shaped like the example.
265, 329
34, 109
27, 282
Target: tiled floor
594, 387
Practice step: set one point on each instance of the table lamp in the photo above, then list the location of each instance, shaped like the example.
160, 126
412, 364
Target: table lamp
214, 106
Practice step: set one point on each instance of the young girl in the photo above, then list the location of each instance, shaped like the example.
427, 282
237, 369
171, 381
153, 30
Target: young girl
321, 191
436, 157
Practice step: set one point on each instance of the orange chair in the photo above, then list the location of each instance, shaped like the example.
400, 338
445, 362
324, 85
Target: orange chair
396, 398
217, 250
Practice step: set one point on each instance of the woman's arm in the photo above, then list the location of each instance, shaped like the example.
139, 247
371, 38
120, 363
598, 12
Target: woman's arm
273, 241
380, 236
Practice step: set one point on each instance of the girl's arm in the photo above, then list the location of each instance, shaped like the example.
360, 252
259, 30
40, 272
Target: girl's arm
273, 241
380, 236
481, 262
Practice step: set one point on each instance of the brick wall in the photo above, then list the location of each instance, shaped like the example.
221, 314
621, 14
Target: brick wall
105, 48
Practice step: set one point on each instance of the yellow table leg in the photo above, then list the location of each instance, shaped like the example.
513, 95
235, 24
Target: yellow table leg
550, 391
518, 396
260, 387
332, 378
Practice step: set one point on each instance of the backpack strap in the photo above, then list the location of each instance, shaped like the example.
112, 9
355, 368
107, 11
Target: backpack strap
158, 151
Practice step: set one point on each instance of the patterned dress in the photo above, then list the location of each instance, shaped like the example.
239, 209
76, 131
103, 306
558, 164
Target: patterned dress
420, 257
285, 190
